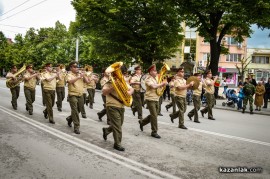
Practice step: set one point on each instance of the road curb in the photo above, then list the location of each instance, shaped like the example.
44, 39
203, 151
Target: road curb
232, 109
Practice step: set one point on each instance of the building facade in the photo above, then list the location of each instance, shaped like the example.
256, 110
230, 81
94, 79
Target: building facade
259, 65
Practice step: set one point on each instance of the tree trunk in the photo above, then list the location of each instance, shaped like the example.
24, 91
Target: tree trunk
214, 55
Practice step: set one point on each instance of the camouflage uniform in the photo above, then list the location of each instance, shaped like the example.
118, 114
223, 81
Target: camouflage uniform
249, 91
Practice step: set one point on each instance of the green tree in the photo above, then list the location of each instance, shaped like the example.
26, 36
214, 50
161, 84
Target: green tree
242, 68
144, 30
216, 18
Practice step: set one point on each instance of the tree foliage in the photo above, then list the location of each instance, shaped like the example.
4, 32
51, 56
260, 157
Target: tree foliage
214, 19
144, 30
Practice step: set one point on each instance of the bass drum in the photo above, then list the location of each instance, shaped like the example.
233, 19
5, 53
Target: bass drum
142, 80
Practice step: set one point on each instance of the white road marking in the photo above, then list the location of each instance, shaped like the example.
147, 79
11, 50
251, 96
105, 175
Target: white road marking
126, 162
222, 135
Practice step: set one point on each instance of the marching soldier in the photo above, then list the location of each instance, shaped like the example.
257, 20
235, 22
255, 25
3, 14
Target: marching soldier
30, 81
152, 101
49, 86
60, 87
180, 97
75, 82
41, 85
208, 84
15, 91
249, 91
136, 84
115, 112
91, 89
172, 90
196, 97
100, 114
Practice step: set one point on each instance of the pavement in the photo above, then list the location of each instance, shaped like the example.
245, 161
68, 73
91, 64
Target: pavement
264, 111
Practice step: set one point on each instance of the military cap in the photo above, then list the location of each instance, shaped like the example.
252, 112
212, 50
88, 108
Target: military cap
29, 66
152, 67
138, 67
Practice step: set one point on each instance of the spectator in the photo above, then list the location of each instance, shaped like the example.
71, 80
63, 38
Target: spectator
225, 85
267, 93
259, 92
240, 97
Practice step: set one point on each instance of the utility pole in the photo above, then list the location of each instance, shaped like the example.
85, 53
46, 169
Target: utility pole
77, 49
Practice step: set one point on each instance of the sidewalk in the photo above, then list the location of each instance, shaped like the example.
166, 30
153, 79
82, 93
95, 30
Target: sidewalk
220, 101
262, 112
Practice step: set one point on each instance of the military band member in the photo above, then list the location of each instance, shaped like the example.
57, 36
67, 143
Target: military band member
15, 91
100, 114
208, 84
91, 87
172, 89
196, 98
41, 85
49, 86
30, 81
180, 97
115, 112
152, 101
136, 85
60, 87
75, 82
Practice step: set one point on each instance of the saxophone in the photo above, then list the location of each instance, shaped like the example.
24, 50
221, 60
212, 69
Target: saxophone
119, 83
161, 78
10, 83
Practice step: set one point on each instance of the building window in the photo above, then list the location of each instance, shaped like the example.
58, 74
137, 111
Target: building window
233, 57
260, 75
260, 59
206, 56
232, 41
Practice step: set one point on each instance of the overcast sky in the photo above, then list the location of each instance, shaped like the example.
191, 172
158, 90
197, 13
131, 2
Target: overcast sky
16, 16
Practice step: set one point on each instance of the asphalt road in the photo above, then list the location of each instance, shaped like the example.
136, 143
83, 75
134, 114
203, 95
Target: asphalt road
31, 147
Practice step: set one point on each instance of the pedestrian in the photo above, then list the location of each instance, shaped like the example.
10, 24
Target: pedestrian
115, 111
136, 85
103, 112
208, 84
152, 101
75, 81
240, 97
49, 87
180, 97
249, 91
196, 97
267, 93
15, 90
225, 87
259, 93
30, 81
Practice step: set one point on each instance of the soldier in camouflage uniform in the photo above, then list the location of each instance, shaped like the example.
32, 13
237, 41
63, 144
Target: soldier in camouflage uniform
249, 91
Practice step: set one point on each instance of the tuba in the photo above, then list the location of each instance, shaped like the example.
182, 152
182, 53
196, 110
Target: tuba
119, 83
10, 83
161, 78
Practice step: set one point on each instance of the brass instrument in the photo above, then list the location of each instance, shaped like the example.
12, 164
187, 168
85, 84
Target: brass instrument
10, 83
196, 82
119, 83
161, 78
